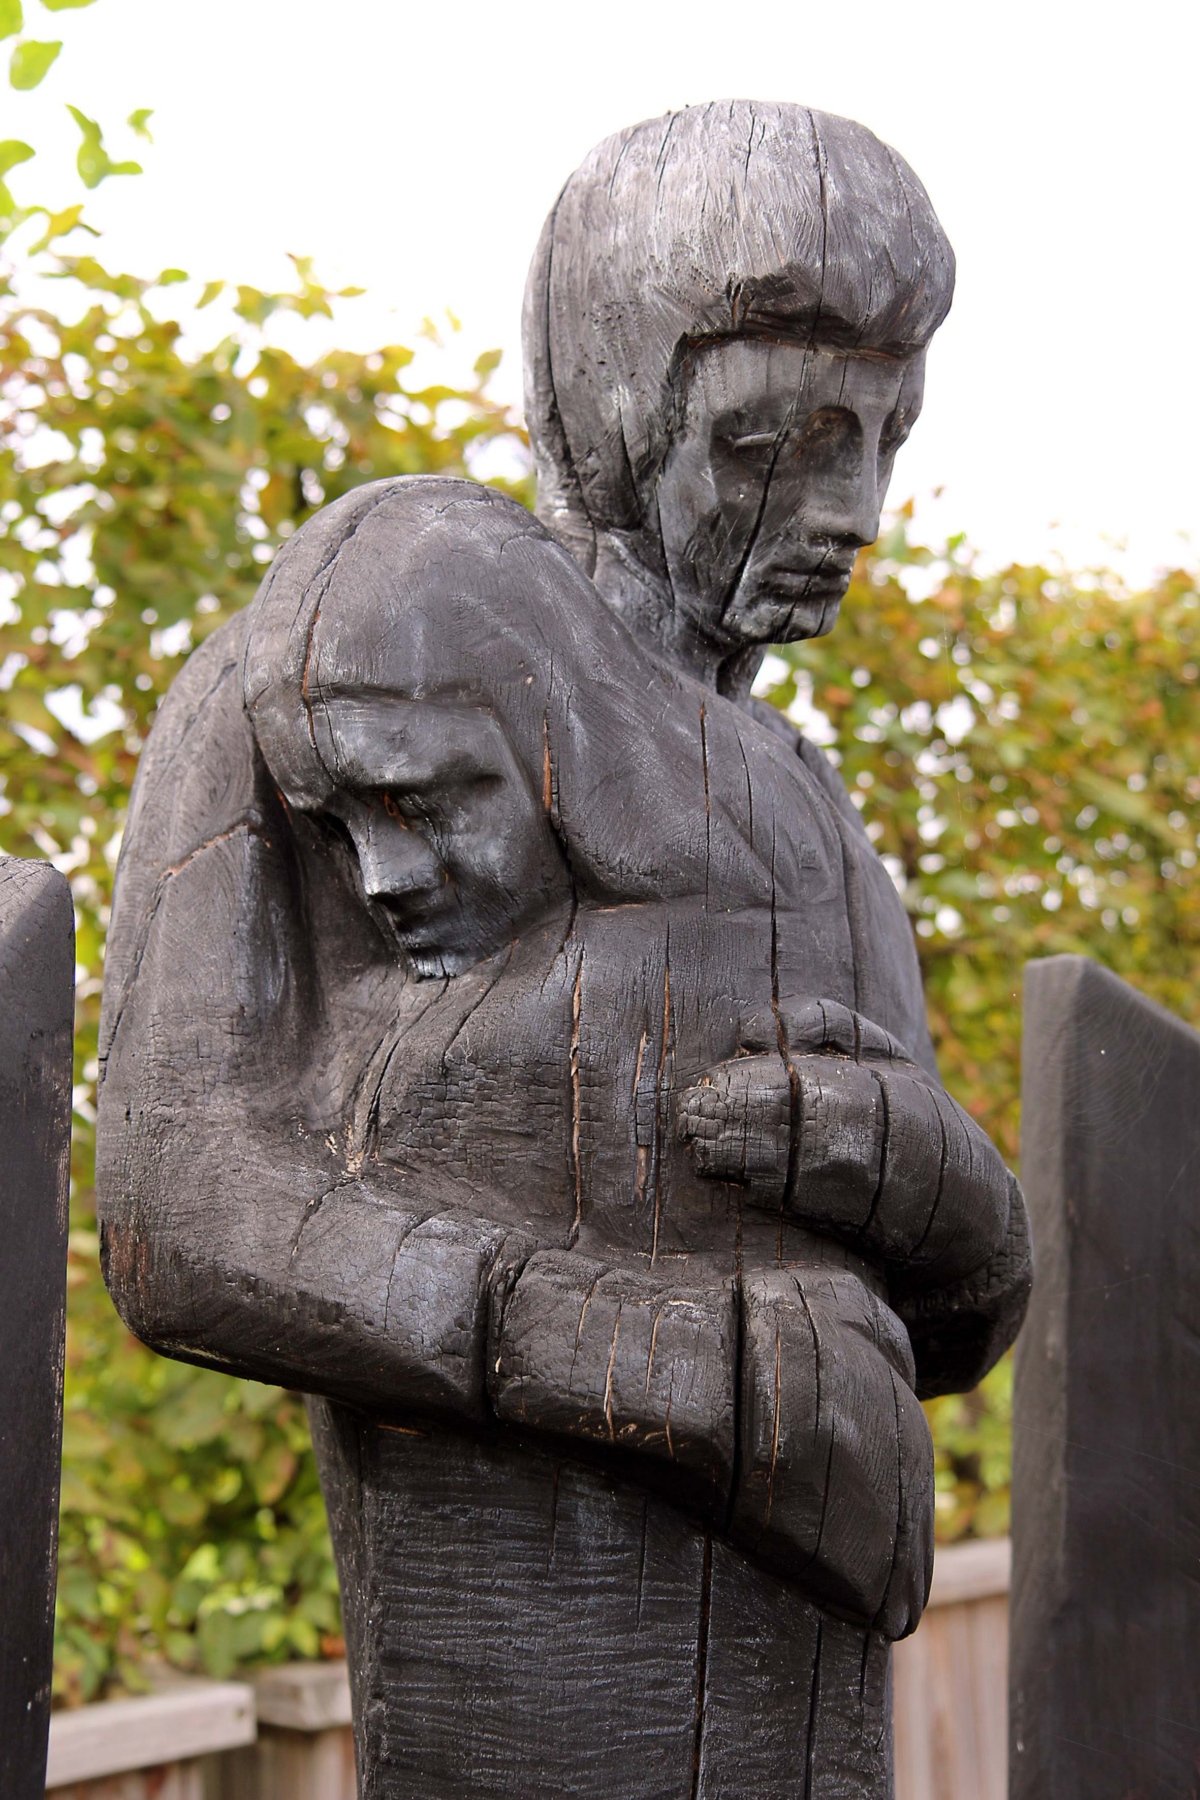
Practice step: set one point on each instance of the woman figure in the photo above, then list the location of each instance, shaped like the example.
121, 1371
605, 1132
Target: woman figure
440, 904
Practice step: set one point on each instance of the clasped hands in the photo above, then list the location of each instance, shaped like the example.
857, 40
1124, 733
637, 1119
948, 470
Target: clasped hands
790, 1395
782, 1404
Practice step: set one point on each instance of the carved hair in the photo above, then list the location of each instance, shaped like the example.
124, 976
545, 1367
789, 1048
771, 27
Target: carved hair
438, 591
728, 220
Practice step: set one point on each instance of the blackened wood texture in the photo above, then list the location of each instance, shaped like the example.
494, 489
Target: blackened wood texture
36, 981
1105, 1662
521, 1627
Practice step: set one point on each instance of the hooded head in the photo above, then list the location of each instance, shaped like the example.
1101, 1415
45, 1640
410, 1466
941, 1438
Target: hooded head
725, 325
429, 674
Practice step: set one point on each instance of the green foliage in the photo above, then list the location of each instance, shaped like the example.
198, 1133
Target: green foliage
12, 152
93, 161
31, 62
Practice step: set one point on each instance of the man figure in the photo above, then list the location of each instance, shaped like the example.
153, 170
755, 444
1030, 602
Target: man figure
725, 330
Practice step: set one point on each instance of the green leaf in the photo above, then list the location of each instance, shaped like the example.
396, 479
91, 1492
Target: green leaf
137, 120
93, 161
211, 290
12, 152
31, 62
11, 19
58, 224
169, 277
66, 5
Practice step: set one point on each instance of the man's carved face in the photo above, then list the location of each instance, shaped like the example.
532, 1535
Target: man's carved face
775, 479
454, 850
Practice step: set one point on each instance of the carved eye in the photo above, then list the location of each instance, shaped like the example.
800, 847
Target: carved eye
391, 808
338, 829
755, 449
831, 431
895, 431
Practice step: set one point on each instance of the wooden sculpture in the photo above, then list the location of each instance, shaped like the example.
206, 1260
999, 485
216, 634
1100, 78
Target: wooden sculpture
513, 1041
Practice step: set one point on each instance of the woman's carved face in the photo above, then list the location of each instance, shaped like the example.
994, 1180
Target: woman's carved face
454, 850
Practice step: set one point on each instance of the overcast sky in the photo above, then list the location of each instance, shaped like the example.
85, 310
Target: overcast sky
415, 150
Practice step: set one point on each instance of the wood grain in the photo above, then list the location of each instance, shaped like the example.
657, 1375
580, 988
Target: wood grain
37, 937
1106, 1491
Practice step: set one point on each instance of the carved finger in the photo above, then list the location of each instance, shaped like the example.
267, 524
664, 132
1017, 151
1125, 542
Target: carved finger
803, 1026
942, 1221
838, 1153
737, 1123
893, 1162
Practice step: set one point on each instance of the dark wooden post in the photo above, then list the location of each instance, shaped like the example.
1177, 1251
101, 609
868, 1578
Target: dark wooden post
36, 980
1105, 1700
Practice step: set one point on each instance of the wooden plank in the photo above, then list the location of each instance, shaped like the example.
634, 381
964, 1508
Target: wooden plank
36, 980
971, 1571
175, 1781
305, 1696
187, 1719
951, 1699
1106, 1515
288, 1765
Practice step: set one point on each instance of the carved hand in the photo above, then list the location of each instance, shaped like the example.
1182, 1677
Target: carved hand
826, 1117
809, 1445
835, 1465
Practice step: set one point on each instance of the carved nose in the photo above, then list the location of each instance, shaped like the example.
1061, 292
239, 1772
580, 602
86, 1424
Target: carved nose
846, 510
400, 874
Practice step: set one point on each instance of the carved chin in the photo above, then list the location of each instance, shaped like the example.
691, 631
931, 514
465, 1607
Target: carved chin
437, 965
776, 619
428, 964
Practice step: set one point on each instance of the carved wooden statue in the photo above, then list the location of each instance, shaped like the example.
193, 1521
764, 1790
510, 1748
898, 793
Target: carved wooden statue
513, 1041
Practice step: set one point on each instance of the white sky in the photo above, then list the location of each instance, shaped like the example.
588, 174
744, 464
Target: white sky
416, 149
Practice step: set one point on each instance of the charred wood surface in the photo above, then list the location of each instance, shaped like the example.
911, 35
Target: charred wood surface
1106, 1486
37, 937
